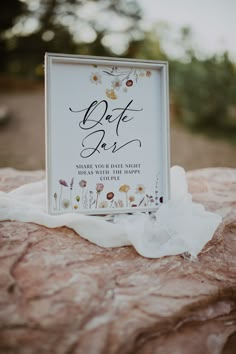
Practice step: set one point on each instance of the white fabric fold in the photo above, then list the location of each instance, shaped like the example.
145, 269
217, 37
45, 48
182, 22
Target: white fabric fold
179, 226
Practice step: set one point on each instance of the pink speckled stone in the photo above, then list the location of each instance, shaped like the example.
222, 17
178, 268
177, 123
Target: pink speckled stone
61, 294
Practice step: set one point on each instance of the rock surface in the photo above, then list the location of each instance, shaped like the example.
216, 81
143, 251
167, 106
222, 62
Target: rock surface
63, 295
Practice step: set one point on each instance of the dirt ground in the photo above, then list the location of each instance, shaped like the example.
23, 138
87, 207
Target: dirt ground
22, 138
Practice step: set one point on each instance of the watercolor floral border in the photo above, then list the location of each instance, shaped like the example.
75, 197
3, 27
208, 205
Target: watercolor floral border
71, 197
120, 79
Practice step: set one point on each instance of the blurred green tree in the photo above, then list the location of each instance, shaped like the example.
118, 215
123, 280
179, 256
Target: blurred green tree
10, 11
204, 91
147, 47
72, 26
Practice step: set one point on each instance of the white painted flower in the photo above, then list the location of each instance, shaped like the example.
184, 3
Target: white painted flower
95, 78
140, 189
65, 203
116, 83
103, 204
119, 204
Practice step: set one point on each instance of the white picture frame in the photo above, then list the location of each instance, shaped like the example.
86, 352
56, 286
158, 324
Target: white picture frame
107, 134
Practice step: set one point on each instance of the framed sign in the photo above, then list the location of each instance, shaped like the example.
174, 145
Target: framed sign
107, 134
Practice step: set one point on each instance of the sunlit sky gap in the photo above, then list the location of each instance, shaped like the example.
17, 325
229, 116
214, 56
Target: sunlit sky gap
212, 21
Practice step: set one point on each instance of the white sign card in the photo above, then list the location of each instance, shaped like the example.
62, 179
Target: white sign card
107, 134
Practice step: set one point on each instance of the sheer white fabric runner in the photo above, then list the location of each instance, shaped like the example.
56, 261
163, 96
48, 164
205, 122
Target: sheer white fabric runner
177, 227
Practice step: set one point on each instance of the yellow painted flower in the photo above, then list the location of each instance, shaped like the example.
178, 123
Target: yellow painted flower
75, 206
111, 94
124, 188
140, 189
